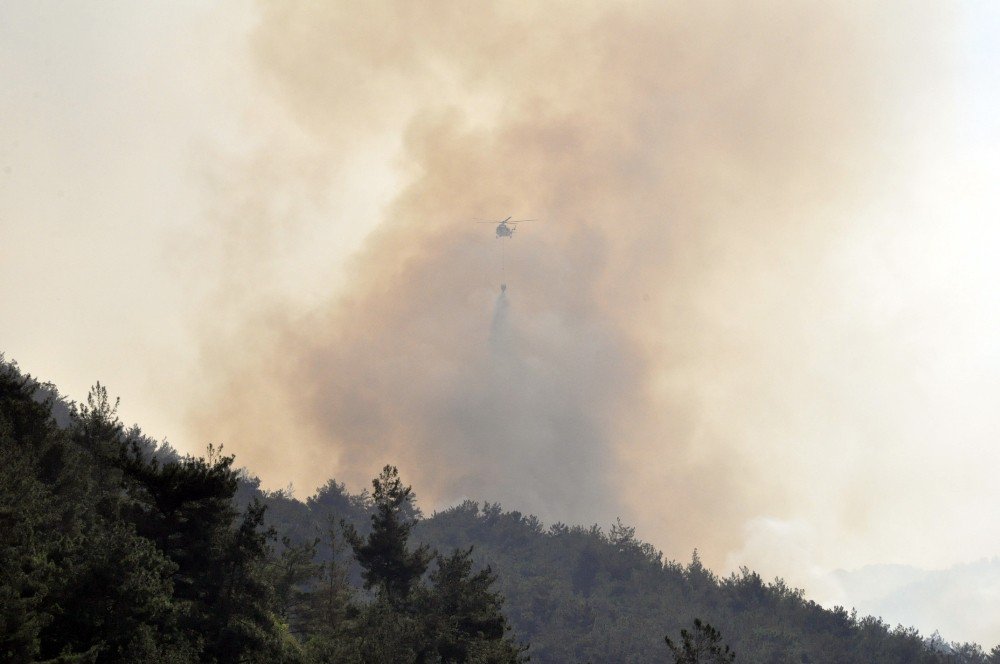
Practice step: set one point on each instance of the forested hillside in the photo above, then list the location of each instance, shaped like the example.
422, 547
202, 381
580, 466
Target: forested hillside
117, 549
585, 595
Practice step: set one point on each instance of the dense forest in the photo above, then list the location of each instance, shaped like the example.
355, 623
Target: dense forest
118, 549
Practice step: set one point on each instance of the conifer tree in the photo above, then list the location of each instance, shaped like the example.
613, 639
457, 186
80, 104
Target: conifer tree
464, 615
387, 564
703, 646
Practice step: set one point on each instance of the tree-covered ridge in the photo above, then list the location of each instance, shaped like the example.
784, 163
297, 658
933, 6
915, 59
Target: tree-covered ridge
116, 549
580, 594
109, 555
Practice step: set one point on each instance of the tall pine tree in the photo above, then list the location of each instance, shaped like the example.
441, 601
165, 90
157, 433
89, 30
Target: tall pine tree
388, 566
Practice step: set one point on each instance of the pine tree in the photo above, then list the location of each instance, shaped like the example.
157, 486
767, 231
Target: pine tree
387, 564
464, 616
327, 616
76, 581
456, 619
701, 647
221, 585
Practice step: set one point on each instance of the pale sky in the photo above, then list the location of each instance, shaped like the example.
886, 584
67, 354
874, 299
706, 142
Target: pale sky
186, 191
108, 117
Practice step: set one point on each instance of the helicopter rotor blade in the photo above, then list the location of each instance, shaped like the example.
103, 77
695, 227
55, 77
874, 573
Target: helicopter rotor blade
518, 221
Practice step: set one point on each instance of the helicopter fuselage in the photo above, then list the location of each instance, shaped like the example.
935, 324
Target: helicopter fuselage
503, 230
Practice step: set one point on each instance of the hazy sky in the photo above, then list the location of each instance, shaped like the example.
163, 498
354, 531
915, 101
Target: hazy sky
757, 315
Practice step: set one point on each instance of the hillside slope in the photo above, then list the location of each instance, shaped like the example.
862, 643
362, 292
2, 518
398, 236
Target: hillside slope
117, 549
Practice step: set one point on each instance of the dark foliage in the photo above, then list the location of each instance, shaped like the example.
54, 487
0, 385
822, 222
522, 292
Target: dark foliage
454, 618
116, 549
386, 563
702, 646
109, 555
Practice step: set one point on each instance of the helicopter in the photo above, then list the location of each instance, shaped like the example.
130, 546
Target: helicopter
506, 227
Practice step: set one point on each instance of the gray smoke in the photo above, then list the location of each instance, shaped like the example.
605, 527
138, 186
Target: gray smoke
679, 323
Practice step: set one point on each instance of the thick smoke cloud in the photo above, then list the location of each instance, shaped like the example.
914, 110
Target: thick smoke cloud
676, 345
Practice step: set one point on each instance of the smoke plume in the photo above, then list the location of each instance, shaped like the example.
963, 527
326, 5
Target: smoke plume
680, 342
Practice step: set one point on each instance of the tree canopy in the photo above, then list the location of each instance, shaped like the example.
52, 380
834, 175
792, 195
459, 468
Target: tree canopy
117, 549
